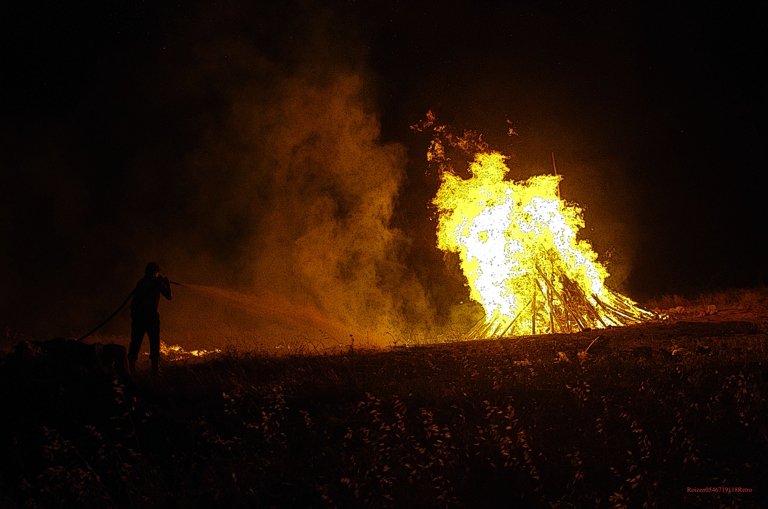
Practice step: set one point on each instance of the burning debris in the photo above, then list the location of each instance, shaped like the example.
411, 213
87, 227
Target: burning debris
179, 353
518, 246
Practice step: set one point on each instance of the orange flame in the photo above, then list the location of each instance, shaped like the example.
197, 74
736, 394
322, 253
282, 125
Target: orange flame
178, 353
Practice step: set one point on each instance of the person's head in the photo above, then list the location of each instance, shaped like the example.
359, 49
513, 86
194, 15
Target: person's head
152, 269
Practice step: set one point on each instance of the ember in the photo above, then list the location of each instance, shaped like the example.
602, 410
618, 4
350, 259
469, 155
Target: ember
518, 246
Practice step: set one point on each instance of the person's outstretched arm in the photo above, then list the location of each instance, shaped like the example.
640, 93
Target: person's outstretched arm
165, 287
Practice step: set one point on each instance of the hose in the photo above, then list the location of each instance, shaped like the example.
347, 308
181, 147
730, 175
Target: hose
115, 312
107, 319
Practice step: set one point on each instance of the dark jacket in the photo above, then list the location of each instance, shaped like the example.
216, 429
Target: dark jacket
146, 296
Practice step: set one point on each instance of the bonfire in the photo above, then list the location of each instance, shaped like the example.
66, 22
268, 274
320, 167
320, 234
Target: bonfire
519, 250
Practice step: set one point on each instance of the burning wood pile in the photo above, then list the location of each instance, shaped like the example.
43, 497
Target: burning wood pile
518, 248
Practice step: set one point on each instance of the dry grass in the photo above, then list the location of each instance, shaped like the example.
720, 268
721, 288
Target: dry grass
647, 414
755, 300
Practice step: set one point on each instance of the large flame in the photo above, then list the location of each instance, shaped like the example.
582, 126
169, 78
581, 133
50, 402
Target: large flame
519, 251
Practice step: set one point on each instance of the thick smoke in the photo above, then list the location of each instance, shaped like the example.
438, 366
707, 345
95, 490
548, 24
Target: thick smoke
297, 180
244, 158
327, 188
334, 187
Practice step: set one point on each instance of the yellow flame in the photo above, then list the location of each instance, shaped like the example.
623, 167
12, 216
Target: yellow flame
178, 352
518, 246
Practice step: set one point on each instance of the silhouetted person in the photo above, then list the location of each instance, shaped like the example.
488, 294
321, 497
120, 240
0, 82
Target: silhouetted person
145, 319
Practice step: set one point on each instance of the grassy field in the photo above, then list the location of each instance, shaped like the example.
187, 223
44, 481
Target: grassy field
671, 414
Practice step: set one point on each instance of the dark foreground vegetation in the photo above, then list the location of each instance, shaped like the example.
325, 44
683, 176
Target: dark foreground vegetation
663, 415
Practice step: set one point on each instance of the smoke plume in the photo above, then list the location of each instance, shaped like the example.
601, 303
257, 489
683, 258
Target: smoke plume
242, 157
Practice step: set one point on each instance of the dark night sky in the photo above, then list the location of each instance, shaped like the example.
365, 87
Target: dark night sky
151, 130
